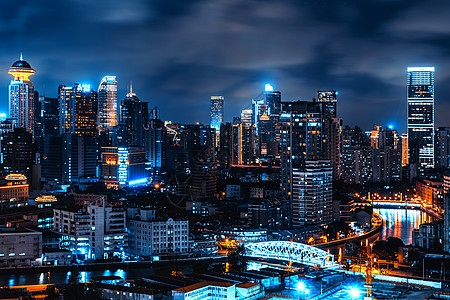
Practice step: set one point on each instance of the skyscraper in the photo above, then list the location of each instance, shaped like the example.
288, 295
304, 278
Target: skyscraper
107, 103
78, 126
134, 114
78, 110
216, 111
312, 201
300, 133
329, 101
21, 95
421, 116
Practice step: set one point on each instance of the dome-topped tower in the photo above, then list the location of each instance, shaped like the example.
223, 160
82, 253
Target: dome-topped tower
21, 70
21, 95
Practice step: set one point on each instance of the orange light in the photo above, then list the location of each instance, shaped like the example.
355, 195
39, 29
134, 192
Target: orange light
156, 186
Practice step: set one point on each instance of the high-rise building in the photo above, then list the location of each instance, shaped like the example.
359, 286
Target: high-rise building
356, 164
329, 101
78, 128
17, 151
420, 94
156, 148
334, 146
242, 145
107, 103
301, 139
443, 147
405, 160
312, 201
134, 115
246, 117
78, 110
21, 95
124, 166
216, 112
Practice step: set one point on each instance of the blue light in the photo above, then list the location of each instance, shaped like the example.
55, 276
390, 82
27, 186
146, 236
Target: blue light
301, 286
268, 88
355, 292
138, 181
390, 126
337, 93
84, 87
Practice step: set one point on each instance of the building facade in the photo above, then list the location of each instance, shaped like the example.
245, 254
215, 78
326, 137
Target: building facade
420, 94
148, 237
21, 95
20, 247
216, 112
107, 103
312, 201
96, 231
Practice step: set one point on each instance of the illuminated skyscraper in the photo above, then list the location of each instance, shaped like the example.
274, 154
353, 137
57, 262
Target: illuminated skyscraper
134, 114
78, 110
21, 95
107, 103
216, 112
329, 101
421, 116
78, 126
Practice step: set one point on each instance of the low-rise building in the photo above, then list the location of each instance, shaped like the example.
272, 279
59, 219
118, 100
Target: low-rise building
201, 208
94, 232
15, 192
20, 247
57, 257
148, 237
206, 290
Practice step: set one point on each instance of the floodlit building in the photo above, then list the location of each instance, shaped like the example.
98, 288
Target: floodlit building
148, 237
21, 95
216, 112
15, 193
94, 232
124, 166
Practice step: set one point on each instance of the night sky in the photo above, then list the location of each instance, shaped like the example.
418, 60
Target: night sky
179, 53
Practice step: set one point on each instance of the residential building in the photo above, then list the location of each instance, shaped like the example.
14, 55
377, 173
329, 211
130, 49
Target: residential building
20, 247
148, 237
96, 231
312, 202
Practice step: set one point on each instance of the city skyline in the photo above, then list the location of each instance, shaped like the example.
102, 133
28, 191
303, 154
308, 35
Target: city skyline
363, 58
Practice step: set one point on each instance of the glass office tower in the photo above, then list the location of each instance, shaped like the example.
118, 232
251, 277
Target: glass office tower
421, 116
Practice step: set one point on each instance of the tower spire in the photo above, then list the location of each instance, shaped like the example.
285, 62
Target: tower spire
21, 56
131, 87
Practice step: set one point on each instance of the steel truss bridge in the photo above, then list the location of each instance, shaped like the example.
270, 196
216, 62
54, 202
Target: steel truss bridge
292, 252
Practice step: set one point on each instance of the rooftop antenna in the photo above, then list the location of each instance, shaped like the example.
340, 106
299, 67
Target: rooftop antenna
21, 56
131, 87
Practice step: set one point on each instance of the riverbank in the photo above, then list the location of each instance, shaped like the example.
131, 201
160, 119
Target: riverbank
105, 265
376, 230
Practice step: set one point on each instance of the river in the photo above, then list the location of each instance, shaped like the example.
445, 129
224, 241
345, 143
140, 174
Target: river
400, 223
61, 277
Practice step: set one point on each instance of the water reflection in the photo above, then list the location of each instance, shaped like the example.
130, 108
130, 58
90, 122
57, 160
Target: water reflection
400, 222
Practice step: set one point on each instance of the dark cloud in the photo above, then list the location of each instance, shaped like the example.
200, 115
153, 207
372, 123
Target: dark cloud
178, 53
